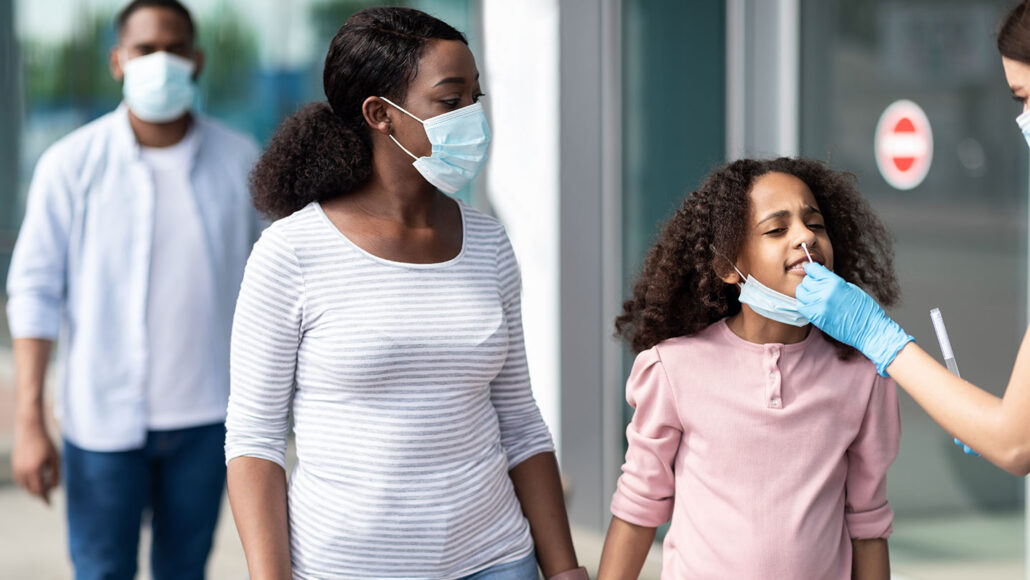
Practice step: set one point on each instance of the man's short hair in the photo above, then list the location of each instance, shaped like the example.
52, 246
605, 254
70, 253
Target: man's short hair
173, 5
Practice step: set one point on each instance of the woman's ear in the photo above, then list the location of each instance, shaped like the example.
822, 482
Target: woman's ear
376, 113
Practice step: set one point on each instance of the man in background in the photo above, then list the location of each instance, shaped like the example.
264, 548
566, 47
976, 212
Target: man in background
136, 234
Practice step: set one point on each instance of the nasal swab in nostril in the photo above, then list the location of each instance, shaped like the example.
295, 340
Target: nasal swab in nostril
805, 248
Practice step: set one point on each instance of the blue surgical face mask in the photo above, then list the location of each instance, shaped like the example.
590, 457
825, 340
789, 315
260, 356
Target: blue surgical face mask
158, 87
460, 139
769, 303
1024, 125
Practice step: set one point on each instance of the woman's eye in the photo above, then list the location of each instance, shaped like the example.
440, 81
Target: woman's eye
452, 103
1018, 99
475, 98
775, 231
816, 227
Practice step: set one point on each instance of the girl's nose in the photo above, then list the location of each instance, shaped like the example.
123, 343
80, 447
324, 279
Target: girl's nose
807, 236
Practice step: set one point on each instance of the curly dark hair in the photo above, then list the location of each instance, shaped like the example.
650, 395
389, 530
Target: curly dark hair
680, 292
325, 149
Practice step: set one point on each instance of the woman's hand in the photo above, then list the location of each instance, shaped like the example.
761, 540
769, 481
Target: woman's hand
845, 312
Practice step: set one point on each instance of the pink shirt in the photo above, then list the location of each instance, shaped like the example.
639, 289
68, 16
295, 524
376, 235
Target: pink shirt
768, 458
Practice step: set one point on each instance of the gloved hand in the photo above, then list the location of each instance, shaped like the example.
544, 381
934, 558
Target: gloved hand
845, 312
967, 449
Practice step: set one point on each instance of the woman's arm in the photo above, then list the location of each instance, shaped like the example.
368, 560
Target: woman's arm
265, 341
257, 494
625, 549
538, 487
997, 428
870, 560
525, 438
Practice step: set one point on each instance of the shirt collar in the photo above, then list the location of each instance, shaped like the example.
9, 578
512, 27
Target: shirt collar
127, 142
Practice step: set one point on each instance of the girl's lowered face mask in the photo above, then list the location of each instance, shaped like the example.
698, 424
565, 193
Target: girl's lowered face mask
768, 302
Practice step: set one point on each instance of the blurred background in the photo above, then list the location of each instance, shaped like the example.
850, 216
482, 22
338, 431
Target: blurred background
605, 114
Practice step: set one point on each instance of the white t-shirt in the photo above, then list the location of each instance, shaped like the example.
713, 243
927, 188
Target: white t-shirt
181, 295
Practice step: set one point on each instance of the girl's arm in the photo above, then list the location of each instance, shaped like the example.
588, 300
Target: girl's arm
645, 493
870, 560
997, 428
625, 549
538, 487
257, 494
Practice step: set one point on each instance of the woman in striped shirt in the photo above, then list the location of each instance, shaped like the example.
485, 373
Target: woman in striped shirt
386, 316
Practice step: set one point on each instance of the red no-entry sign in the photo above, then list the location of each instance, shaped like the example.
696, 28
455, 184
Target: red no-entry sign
903, 145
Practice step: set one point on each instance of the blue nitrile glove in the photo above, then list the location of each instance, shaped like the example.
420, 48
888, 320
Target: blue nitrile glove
845, 312
967, 449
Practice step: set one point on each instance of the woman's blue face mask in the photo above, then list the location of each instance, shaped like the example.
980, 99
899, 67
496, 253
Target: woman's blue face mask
459, 139
1024, 125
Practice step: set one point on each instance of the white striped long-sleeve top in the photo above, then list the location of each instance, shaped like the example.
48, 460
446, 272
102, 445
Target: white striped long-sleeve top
410, 396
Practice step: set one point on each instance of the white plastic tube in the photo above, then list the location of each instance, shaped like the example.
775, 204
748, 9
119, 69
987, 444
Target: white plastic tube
942, 339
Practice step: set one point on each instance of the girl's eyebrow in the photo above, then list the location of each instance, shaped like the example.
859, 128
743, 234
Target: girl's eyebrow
774, 215
785, 213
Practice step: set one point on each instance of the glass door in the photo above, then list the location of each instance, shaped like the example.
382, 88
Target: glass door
960, 243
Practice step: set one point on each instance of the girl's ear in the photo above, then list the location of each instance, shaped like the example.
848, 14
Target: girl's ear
725, 272
724, 269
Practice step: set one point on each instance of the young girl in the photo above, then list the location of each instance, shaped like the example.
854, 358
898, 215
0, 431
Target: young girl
764, 441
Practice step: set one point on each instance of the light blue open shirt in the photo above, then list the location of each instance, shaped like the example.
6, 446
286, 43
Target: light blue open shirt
80, 268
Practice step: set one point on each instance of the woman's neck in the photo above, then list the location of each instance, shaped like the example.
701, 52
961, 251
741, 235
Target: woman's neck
410, 202
760, 330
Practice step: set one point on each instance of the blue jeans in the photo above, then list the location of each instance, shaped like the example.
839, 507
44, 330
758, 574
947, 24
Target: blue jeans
178, 477
524, 569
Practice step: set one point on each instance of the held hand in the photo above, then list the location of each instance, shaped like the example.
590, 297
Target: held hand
845, 312
573, 574
35, 461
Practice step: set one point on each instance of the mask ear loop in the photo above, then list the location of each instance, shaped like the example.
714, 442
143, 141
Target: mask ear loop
732, 265
394, 139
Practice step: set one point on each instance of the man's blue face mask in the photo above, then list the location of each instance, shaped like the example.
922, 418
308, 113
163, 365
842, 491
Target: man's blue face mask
158, 87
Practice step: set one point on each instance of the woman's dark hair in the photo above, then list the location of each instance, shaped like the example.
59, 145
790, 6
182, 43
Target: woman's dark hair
680, 292
1014, 33
325, 149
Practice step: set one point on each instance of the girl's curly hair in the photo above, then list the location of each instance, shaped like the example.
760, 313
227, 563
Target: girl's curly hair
325, 150
679, 291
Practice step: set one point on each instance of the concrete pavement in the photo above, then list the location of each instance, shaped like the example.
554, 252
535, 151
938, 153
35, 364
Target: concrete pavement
33, 543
